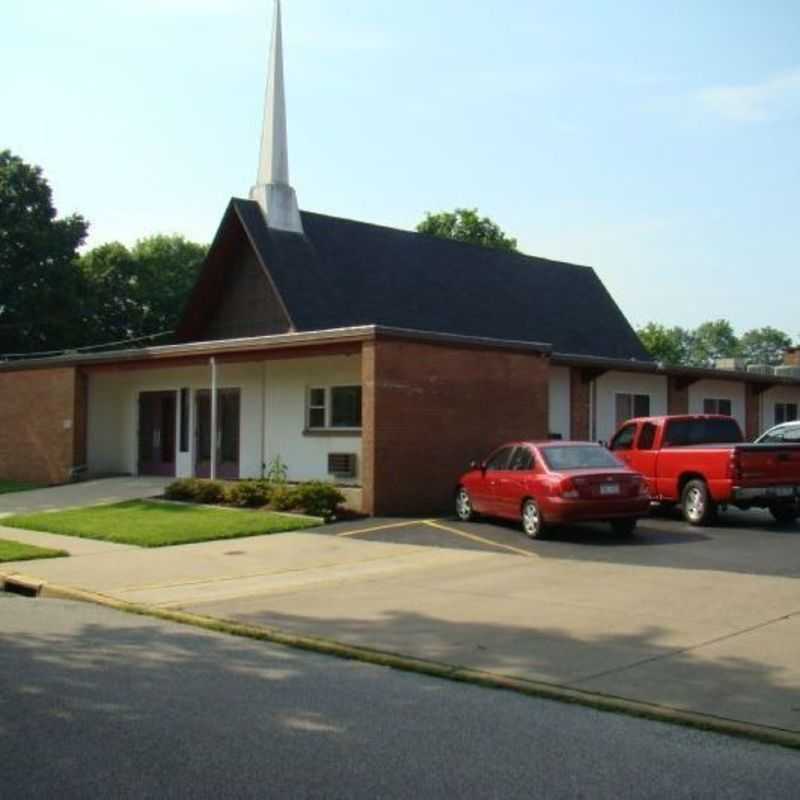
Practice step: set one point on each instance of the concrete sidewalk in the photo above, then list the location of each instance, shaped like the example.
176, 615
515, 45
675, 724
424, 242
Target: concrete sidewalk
719, 643
83, 493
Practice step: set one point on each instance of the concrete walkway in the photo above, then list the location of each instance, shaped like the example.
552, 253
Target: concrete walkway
84, 493
720, 643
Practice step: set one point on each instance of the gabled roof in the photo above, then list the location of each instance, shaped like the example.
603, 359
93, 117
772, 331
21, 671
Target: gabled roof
343, 273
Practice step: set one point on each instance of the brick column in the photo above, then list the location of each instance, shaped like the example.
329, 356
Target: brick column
752, 400
579, 405
677, 397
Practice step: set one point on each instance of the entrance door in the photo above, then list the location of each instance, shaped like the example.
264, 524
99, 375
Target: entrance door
227, 433
157, 412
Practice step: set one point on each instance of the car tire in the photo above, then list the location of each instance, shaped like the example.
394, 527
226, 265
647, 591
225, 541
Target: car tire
624, 527
697, 505
533, 525
464, 510
784, 513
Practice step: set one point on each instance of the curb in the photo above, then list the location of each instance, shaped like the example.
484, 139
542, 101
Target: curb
22, 584
530, 688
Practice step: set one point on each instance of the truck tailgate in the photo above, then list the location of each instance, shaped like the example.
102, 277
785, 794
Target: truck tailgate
774, 464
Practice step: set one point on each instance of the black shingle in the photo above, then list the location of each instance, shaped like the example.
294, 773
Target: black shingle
344, 273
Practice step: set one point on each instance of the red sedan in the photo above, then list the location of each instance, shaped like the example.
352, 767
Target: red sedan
544, 483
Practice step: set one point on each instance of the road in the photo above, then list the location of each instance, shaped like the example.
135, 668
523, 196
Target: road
98, 703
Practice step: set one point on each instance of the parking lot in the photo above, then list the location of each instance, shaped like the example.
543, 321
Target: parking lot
746, 542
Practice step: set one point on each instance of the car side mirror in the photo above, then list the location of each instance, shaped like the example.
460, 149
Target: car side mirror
474, 465
604, 444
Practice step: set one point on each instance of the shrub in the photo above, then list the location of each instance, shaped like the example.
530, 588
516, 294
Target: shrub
252, 494
284, 498
278, 471
184, 489
318, 499
209, 492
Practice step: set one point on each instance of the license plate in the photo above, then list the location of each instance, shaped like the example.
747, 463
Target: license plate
609, 489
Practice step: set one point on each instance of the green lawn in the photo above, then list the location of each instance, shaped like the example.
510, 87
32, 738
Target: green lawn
149, 524
16, 551
7, 487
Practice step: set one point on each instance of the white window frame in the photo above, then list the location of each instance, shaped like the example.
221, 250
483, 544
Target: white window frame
632, 396
327, 408
716, 401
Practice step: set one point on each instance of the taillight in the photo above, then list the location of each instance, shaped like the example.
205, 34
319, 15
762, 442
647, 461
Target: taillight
735, 466
568, 490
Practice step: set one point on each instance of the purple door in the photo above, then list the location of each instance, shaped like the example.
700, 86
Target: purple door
227, 434
157, 412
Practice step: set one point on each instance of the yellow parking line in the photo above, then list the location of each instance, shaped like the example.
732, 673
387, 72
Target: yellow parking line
405, 524
517, 550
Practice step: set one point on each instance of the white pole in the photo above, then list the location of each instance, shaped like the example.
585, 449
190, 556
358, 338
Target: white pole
213, 426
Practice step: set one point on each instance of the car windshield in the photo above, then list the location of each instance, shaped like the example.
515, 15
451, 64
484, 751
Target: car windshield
588, 456
713, 430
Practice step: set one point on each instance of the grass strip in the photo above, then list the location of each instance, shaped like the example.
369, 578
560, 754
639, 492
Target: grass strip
9, 487
17, 551
152, 524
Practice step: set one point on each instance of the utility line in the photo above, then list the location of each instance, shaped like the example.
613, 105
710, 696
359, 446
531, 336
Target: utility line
85, 349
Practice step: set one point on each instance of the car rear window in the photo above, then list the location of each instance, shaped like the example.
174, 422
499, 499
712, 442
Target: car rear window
687, 432
580, 457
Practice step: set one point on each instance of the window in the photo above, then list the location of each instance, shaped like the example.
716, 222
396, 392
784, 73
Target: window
316, 408
346, 407
713, 405
334, 407
184, 437
522, 460
630, 406
584, 456
499, 460
624, 439
785, 412
683, 432
647, 436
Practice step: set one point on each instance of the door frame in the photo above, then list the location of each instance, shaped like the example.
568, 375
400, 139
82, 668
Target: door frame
167, 469
226, 470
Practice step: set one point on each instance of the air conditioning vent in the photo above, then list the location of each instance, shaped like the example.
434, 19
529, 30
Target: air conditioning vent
342, 465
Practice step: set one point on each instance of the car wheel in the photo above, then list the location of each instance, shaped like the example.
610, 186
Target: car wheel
697, 504
624, 527
532, 522
464, 505
784, 513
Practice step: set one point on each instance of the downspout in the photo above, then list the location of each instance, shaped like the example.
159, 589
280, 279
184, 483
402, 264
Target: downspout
213, 426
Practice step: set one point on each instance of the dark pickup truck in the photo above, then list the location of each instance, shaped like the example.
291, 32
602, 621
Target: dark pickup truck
703, 464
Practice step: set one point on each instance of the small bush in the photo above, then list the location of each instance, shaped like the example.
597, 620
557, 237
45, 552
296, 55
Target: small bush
184, 489
318, 499
250, 494
278, 471
209, 492
284, 498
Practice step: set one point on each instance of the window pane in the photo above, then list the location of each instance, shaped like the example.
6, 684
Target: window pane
346, 407
792, 435
316, 397
725, 408
647, 437
624, 440
522, 460
641, 405
791, 412
579, 457
316, 418
500, 459
184, 445
709, 406
623, 408
780, 413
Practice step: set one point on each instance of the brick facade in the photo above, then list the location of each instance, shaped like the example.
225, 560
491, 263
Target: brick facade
752, 408
39, 431
579, 405
677, 396
430, 409
792, 357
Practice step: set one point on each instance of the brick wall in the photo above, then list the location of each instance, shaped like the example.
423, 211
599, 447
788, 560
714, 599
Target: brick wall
430, 409
792, 357
37, 424
579, 405
752, 403
677, 396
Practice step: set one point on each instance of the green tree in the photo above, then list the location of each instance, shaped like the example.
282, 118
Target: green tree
41, 291
712, 341
140, 291
764, 345
466, 225
670, 346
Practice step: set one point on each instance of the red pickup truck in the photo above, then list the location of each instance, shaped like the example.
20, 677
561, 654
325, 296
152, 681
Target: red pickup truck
703, 464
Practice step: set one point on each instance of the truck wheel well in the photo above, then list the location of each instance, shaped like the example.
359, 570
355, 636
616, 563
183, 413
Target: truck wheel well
686, 477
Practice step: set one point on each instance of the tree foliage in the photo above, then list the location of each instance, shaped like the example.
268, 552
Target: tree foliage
711, 341
41, 292
466, 225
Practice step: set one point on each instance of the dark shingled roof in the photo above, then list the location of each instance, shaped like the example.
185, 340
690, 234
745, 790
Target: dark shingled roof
344, 273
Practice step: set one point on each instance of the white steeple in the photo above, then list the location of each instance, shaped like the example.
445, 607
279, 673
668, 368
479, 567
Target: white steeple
272, 190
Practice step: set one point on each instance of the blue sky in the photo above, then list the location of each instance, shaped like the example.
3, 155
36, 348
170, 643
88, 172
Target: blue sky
656, 142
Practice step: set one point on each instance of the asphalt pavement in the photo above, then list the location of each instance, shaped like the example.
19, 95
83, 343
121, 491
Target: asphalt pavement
98, 703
